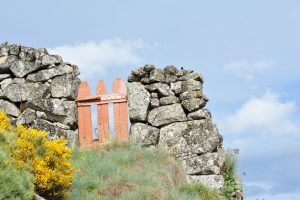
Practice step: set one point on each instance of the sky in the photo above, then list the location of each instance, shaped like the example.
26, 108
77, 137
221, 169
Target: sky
247, 50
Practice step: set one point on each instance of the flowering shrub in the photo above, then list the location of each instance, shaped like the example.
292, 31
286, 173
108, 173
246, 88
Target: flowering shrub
49, 160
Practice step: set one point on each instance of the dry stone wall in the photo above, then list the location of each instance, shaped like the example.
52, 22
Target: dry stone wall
166, 108
39, 89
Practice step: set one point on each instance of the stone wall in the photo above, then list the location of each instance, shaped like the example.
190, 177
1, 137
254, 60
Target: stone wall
39, 89
166, 108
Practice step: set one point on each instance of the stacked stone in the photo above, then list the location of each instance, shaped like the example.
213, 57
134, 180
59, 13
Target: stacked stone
39, 89
166, 108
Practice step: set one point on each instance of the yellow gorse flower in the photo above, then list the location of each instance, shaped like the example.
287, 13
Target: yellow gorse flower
48, 160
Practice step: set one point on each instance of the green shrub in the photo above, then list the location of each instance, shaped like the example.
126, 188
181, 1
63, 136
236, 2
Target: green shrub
14, 184
202, 191
49, 160
232, 185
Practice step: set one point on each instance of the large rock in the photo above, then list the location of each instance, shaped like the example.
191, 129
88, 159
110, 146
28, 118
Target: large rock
184, 86
190, 95
138, 102
14, 49
51, 60
162, 89
199, 114
65, 86
157, 75
5, 83
26, 117
47, 74
193, 104
53, 131
56, 110
168, 100
4, 76
189, 138
22, 68
4, 48
166, 114
6, 62
9, 108
143, 134
191, 75
24, 91
213, 181
205, 164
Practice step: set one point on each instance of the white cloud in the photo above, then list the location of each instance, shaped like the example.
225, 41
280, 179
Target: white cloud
96, 57
266, 114
246, 69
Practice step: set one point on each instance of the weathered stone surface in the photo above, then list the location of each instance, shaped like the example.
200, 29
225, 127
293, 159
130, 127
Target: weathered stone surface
22, 68
172, 70
4, 76
6, 62
132, 78
154, 102
138, 75
162, 88
205, 164
47, 74
9, 108
166, 114
154, 95
20, 91
191, 75
144, 134
177, 87
5, 82
170, 78
157, 75
148, 68
212, 181
41, 115
14, 49
199, 114
138, 101
145, 81
56, 110
192, 104
65, 86
54, 131
26, 80
189, 138
72, 138
62, 126
192, 85
51, 59
190, 95
168, 100
139, 72
26, 117
4, 49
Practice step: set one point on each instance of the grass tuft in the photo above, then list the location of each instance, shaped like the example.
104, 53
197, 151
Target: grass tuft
202, 191
124, 171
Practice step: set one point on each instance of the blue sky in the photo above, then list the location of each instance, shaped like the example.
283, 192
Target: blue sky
247, 50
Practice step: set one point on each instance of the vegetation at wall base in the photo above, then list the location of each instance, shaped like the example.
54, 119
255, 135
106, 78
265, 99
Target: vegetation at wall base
48, 161
14, 184
124, 171
232, 183
202, 191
